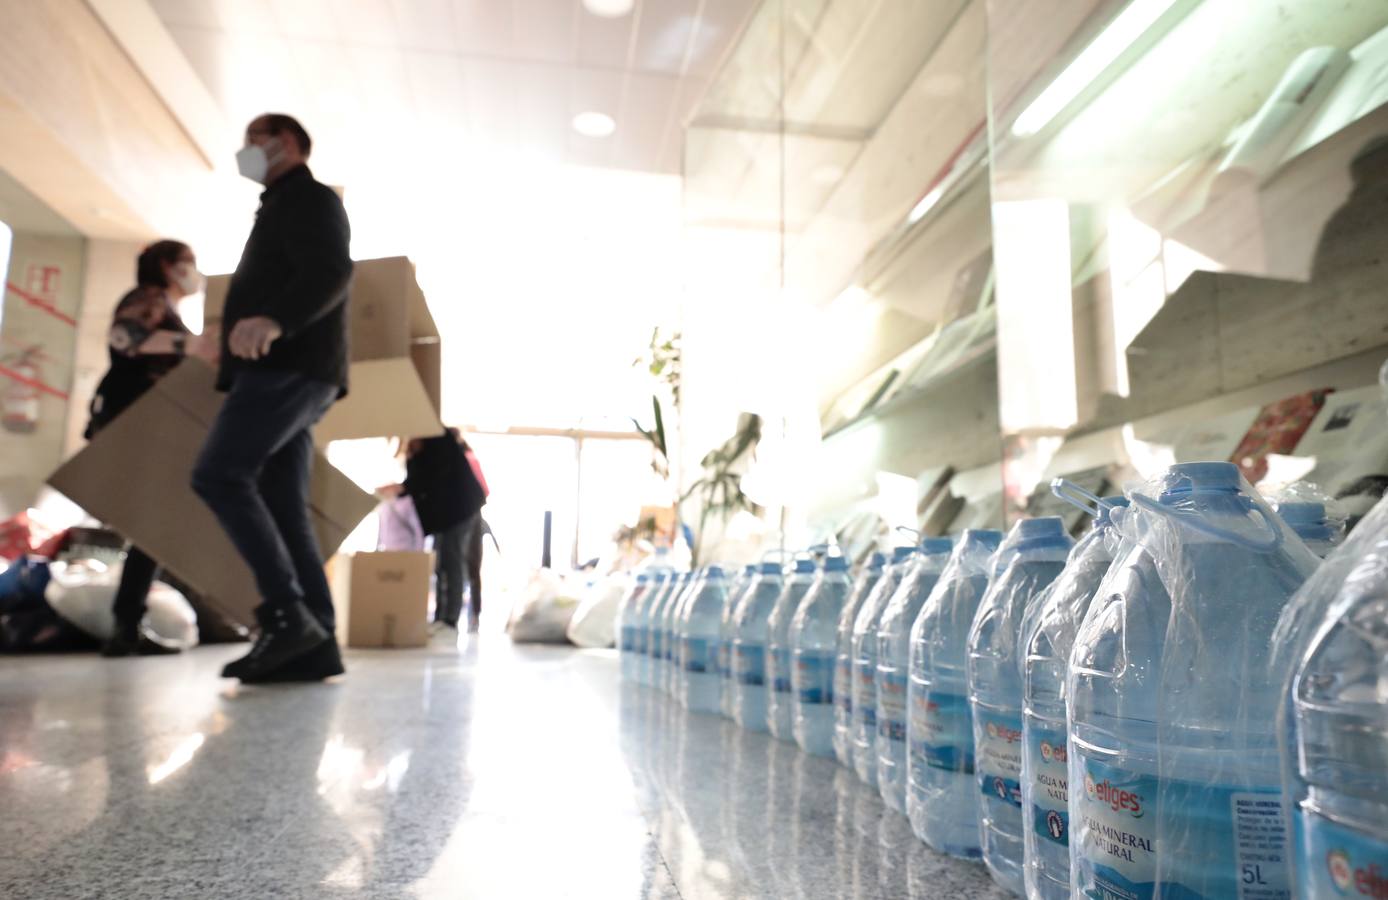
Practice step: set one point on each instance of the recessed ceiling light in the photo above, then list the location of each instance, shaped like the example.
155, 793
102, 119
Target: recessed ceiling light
609, 9
594, 124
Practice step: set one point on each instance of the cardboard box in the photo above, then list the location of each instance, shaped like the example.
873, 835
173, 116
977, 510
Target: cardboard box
382, 599
396, 356
135, 477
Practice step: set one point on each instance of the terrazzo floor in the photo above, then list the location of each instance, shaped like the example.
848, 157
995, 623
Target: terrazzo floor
487, 770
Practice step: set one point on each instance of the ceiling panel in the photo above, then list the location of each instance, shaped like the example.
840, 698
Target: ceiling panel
505, 74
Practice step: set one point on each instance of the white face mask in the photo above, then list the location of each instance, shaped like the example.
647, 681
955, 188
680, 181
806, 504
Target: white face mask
254, 160
188, 279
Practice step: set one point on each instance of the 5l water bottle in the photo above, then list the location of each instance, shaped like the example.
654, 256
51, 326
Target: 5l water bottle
868, 576
995, 689
813, 642
628, 627
863, 738
1336, 749
751, 630
664, 628
641, 621
655, 636
940, 787
700, 637
1171, 702
1309, 521
1048, 634
894, 663
780, 702
673, 683
727, 631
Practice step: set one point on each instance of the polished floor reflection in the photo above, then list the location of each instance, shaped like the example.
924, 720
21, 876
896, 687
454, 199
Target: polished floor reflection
490, 771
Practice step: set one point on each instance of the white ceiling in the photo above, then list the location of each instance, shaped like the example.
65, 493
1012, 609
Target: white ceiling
506, 76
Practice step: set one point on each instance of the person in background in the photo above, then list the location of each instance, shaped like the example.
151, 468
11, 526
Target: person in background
147, 339
444, 481
283, 363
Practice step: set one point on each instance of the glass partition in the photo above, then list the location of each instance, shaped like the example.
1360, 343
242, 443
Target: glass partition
1182, 205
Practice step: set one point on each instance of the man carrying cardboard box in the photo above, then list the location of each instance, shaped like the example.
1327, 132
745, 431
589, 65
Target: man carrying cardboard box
284, 362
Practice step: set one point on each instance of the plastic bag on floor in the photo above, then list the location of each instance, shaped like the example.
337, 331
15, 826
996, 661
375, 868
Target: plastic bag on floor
28, 624
544, 612
594, 623
82, 592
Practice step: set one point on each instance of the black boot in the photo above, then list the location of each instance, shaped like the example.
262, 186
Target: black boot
132, 642
286, 632
323, 661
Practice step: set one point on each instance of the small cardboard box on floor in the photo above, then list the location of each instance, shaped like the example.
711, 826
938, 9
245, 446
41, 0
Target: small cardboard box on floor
396, 357
382, 599
135, 476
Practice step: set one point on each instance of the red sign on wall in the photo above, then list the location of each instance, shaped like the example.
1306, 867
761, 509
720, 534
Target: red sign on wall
43, 281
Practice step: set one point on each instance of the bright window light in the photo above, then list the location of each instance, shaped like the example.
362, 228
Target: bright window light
594, 124
609, 9
926, 204
1130, 25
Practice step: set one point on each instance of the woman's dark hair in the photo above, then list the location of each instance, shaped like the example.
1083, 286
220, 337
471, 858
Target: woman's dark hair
149, 268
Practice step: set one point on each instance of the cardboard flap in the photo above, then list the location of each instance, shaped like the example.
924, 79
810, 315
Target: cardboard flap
388, 398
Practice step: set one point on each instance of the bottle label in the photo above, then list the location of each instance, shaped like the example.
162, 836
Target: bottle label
780, 657
843, 686
725, 652
865, 696
1050, 791
698, 655
998, 743
667, 645
628, 638
942, 733
749, 661
640, 639
1335, 861
814, 676
1232, 839
891, 705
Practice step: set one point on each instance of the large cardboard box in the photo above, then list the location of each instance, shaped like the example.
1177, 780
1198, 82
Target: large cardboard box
135, 476
396, 356
382, 599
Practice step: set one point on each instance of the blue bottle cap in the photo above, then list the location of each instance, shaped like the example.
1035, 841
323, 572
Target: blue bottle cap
767, 567
876, 561
900, 554
642, 578
713, 572
804, 567
1184, 478
1038, 528
835, 563
986, 538
749, 569
936, 545
1302, 513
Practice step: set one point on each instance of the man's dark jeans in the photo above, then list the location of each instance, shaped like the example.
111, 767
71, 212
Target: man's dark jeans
254, 474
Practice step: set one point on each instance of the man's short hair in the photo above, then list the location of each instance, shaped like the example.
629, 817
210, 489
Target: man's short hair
279, 123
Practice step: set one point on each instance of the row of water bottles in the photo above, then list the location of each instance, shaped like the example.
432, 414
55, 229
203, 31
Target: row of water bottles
1175, 665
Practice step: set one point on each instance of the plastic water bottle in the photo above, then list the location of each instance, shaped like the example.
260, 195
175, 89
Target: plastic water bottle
1048, 634
940, 787
863, 739
1041, 547
700, 636
870, 574
1170, 703
1336, 746
727, 630
893, 666
751, 632
780, 702
628, 628
641, 622
673, 675
652, 616
660, 629
1309, 522
814, 642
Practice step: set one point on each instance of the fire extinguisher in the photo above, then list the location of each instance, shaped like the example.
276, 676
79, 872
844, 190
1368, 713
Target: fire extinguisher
20, 402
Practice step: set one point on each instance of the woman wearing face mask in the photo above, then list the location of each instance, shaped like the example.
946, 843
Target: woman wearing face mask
147, 339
